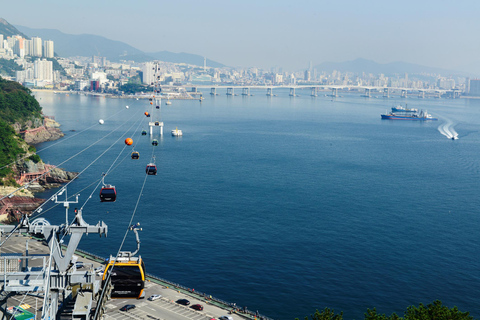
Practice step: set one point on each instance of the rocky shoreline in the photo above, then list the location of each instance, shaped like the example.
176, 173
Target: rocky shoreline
48, 131
38, 175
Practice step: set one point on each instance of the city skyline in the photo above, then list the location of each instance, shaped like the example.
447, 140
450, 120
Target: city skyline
268, 34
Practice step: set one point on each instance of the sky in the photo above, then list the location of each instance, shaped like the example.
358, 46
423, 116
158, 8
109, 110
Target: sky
267, 33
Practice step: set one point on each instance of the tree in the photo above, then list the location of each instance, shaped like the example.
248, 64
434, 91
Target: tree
326, 314
373, 315
435, 311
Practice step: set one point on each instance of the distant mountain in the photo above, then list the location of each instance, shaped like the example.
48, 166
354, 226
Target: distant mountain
86, 45
8, 30
183, 57
472, 68
69, 45
368, 66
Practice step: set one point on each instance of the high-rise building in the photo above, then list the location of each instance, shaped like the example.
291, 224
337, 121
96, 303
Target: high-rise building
474, 87
307, 75
28, 45
1, 41
37, 47
43, 70
148, 73
18, 48
48, 49
11, 42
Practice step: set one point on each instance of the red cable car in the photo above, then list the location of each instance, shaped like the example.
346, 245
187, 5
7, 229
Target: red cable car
151, 169
108, 193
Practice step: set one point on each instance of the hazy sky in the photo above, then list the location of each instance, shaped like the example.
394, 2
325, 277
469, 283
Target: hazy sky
267, 33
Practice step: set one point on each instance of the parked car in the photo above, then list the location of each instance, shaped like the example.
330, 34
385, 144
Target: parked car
127, 307
225, 318
154, 297
184, 302
198, 307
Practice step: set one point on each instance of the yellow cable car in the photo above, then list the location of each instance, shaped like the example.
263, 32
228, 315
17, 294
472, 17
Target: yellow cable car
126, 272
127, 277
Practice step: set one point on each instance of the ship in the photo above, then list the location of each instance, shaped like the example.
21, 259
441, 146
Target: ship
422, 116
404, 109
176, 132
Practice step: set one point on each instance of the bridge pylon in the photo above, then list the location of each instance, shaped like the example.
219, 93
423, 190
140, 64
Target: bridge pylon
386, 93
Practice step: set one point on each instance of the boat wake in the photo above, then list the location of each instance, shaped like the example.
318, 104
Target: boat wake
448, 130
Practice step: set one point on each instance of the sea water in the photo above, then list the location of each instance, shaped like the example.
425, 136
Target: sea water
285, 204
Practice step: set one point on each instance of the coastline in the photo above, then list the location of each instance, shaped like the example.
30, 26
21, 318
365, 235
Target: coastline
184, 96
30, 176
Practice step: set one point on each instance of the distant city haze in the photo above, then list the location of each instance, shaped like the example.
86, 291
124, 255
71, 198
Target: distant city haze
265, 34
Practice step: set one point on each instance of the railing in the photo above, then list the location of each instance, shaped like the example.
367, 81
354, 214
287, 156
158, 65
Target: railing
231, 307
34, 175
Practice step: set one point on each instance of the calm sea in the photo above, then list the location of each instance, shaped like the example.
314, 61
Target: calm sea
287, 205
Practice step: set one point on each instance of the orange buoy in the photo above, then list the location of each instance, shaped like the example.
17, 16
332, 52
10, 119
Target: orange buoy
151, 102
146, 113
128, 141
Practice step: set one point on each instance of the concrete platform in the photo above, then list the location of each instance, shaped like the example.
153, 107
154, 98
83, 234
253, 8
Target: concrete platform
163, 308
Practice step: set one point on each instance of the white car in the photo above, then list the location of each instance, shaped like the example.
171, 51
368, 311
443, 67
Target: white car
225, 318
154, 297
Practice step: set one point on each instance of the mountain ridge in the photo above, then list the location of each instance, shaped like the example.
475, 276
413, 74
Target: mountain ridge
9, 30
70, 45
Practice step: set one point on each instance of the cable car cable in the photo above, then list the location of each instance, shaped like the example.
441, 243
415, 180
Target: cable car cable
126, 233
78, 153
59, 141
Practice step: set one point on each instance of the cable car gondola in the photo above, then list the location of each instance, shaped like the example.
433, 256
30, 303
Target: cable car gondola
151, 169
144, 132
127, 278
108, 193
127, 273
135, 155
154, 142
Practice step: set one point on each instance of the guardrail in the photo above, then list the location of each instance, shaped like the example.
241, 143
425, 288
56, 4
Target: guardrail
230, 307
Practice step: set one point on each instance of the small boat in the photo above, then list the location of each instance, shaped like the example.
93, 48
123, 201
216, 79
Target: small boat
151, 169
168, 102
176, 132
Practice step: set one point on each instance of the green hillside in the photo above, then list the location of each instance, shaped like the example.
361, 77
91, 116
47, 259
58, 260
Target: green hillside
17, 105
